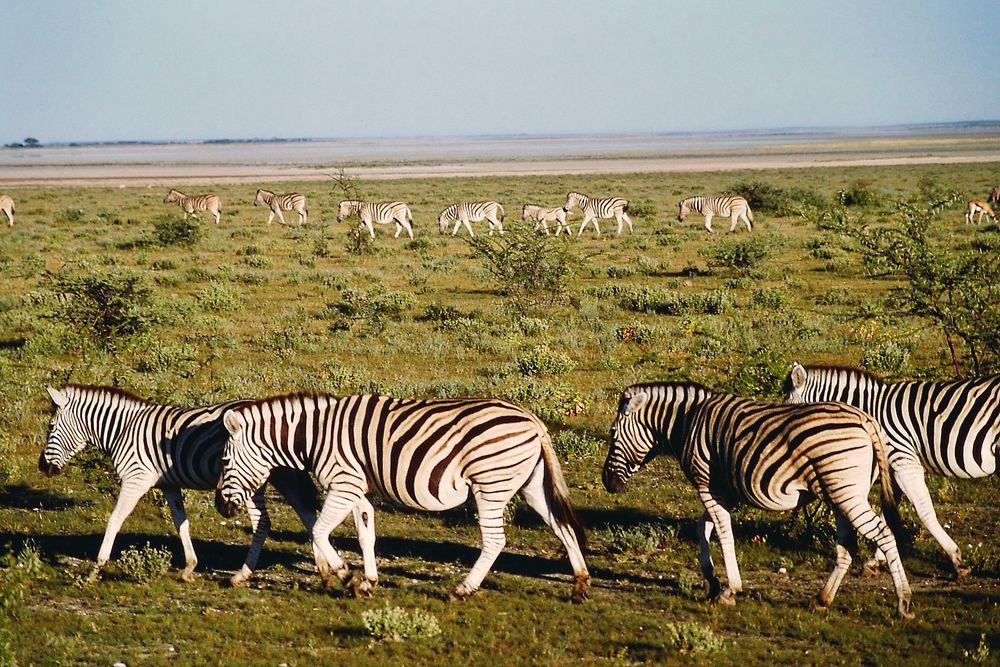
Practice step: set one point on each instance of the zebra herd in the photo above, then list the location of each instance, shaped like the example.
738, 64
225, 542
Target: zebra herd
838, 430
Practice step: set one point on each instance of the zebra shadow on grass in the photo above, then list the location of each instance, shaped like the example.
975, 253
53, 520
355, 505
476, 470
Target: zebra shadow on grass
24, 497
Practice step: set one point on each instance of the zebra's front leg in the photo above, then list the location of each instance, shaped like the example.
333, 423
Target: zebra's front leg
336, 507
364, 522
270, 218
260, 524
847, 546
491, 526
705, 528
175, 501
720, 516
281, 216
128, 497
708, 222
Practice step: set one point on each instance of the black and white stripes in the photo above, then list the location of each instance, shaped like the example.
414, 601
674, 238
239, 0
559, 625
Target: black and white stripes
291, 201
774, 457
194, 203
599, 209
382, 213
733, 207
429, 455
465, 213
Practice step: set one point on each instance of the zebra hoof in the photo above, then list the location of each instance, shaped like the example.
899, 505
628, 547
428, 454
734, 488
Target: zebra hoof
187, 576
962, 571
904, 610
580, 590
239, 581
872, 568
819, 603
460, 593
360, 587
726, 599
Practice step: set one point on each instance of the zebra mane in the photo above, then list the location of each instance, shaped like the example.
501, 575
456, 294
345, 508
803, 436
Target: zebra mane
833, 368
108, 390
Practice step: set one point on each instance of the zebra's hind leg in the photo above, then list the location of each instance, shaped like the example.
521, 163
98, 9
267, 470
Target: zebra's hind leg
176, 504
705, 528
491, 526
364, 522
847, 546
874, 529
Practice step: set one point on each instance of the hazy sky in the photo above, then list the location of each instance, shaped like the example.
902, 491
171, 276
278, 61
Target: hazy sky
182, 69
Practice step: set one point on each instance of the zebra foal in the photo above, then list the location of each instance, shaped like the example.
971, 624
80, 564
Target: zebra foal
732, 207
773, 457
948, 428
382, 213
465, 213
7, 206
428, 455
543, 215
291, 201
165, 447
206, 202
594, 209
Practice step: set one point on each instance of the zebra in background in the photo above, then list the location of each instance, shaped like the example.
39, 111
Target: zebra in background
166, 447
428, 455
994, 196
979, 207
7, 206
291, 201
207, 202
465, 213
773, 457
543, 215
733, 207
599, 209
382, 213
949, 428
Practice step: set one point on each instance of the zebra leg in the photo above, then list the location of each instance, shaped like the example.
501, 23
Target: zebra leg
705, 528
339, 503
364, 522
468, 225
399, 230
628, 220
270, 218
131, 491
175, 501
746, 220
260, 524
533, 493
492, 528
733, 220
724, 527
708, 222
371, 228
407, 226
871, 525
303, 217
847, 546
281, 216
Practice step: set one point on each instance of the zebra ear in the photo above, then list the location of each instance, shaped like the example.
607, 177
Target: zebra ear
232, 421
637, 401
799, 375
58, 397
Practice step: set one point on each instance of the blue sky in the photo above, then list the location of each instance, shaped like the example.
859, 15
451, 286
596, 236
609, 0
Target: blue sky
131, 69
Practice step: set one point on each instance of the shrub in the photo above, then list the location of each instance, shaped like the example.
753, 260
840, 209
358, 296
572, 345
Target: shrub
762, 196
219, 297
145, 565
373, 304
859, 193
638, 542
165, 264
169, 230
694, 637
397, 624
105, 308
774, 298
572, 445
641, 208
543, 360
743, 255
886, 358
552, 401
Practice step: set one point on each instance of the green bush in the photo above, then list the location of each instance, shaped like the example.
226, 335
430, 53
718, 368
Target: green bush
886, 358
374, 304
169, 230
694, 637
743, 255
219, 297
543, 360
105, 308
637, 543
859, 193
145, 565
572, 445
397, 624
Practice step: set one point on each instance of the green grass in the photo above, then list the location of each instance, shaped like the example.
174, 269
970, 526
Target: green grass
252, 310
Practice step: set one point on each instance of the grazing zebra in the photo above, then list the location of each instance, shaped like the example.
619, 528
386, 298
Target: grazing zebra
209, 202
732, 207
383, 213
546, 214
949, 428
428, 455
595, 209
7, 206
465, 213
994, 196
774, 457
977, 206
161, 446
291, 201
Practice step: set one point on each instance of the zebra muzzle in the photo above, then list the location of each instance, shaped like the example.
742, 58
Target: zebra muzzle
226, 508
50, 469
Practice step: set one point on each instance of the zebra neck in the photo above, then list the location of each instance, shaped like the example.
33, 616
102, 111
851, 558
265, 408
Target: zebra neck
673, 418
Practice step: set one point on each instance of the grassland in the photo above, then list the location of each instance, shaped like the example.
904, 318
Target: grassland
253, 310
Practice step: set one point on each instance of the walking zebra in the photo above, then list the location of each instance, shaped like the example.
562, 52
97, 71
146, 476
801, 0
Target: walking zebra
595, 209
209, 202
732, 207
7, 206
383, 213
465, 213
994, 196
166, 447
949, 428
543, 215
774, 457
291, 201
977, 206
428, 455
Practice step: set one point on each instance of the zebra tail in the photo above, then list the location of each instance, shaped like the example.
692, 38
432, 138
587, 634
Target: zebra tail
557, 493
750, 213
503, 215
890, 509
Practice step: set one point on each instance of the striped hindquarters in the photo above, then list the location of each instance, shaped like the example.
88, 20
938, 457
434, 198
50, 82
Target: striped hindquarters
722, 206
608, 207
384, 212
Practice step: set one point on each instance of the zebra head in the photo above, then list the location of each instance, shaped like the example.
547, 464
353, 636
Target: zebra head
244, 466
632, 441
574, 200
443, 221
795, 383
684, 210
172, 197
347, 207
68, 432
259, 199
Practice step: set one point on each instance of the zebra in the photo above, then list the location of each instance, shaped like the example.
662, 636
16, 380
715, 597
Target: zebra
382, 213
161, 446
7, 206
994, 196
594, 209
948, 428
733, 207
291, 201
465, 213
774, 457
977, 206
546, 214
429, 455
207, 202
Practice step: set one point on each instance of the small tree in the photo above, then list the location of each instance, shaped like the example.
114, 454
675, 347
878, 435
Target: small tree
105, 308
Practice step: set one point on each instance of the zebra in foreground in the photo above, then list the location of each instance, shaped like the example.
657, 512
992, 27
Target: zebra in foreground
465, 213
370, 213
978, 207
599, 209
733, 207
291, 201
166, 447
543, 215
7, 206
774, 457
949, 428
428, 455
207, 202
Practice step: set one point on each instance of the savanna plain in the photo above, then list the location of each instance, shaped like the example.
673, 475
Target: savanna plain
111, 286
